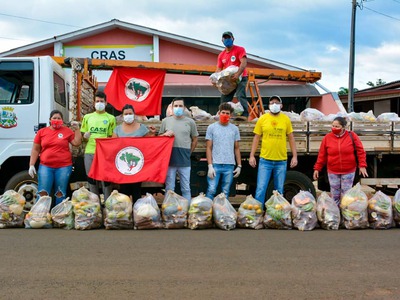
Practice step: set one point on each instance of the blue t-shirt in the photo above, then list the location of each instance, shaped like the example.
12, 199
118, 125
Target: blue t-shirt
223, 139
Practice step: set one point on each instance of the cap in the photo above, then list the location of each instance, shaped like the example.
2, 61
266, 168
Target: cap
275, 97
227, 33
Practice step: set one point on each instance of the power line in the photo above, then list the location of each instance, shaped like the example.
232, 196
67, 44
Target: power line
7, 38
37, 20
381, 13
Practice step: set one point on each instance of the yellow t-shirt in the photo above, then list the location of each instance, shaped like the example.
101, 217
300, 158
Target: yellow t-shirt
274, 130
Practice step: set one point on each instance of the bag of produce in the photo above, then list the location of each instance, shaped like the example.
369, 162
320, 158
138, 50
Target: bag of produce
63, 215
11, 209
353, 206
237, 108
174, 210
328, 212
87, 209
118, 211
304, 209
311, 114
396, 208
223, 212
277, 212
388, 117
39, 215
250, 214
223, 80
200, 114
380, 213
146, 214
200, 212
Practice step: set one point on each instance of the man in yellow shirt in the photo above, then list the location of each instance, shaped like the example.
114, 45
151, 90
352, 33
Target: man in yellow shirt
273, 127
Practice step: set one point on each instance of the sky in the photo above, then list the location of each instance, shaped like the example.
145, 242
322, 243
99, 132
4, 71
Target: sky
308, 34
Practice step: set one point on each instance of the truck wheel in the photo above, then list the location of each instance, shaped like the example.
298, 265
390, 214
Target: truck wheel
25, 185
295, 182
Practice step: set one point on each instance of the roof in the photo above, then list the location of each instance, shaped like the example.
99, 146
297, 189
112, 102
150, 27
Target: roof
380, 92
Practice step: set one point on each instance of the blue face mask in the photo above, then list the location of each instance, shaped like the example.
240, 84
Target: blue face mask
178, 111
228, 42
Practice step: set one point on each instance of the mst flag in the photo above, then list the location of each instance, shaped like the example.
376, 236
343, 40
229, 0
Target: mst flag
142, 88
131, 159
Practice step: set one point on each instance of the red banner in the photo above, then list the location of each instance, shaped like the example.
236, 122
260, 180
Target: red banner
131, 159
142, 88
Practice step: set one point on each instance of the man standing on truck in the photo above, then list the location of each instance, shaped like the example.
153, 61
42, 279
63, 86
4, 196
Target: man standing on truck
234, 56
98, 124
273, 127
185, 132
222, 140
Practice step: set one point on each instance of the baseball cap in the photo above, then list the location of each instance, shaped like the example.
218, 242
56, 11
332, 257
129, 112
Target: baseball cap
275, 97
227, 33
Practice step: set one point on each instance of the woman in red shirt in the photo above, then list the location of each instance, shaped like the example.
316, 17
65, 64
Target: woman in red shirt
338, 152
51, 144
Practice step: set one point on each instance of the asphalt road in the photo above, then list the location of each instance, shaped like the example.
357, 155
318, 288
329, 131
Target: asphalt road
199, 264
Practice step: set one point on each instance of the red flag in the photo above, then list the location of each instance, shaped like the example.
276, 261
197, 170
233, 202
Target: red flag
131, 159
142, 88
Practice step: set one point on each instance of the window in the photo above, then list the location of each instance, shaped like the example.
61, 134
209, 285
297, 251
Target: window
60, 95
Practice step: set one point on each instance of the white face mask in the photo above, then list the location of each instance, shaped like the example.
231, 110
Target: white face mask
275, 108
129, 119
100, 106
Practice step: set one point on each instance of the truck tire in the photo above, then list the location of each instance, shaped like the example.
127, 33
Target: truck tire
24, 184
295, 182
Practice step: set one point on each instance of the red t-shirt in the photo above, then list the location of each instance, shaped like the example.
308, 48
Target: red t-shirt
55, 151
232, 58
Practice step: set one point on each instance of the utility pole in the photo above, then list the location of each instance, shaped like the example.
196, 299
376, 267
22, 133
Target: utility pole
350, 101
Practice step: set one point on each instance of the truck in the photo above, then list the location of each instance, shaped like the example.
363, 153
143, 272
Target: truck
31, 87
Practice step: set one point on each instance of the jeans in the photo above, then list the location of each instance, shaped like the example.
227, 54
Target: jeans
54, 178
240, 94
184, 176
223, 172
265, 170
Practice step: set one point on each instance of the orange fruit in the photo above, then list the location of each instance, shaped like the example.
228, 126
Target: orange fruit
250, 206
245, 206
179, 207
256, 207
259, 211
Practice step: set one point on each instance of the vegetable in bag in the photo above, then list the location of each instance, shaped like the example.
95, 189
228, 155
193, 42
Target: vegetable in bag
250, 214
118, 211
63, 215
278, 212
328, 212
146, 214
223, 212
200, 212
87, 209
11, 209
174, 210
353, 206
304, 213
380, 213
39, 215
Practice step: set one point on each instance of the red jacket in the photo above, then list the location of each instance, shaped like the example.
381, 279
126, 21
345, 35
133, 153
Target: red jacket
337, 153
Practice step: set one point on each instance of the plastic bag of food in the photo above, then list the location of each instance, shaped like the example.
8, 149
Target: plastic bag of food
237, 108
354, 116
11, 209
353, 206
328, 212
200, 212
63, 215
380, 213
39, 215
304, 209
368, 116
331, 117
396, 208
223, 80
199, 114
174, 210
292, 115
250, 214
223, 212
86, 209
311, 114
277, 212
388, 117
146, 214
118, 211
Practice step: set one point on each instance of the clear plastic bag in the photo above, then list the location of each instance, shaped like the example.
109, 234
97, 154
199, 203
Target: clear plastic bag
353, 206
396, 208
380, 213
200, 114
277, 212
223, 80
292, 115
146, 214
87, 209
39, 215
250, 214
388, 117
223, 212
304, 209
63, 215
174, 210
328, 212
368, 116
11, 209
200, 212
237, 108
118, 211
311, 114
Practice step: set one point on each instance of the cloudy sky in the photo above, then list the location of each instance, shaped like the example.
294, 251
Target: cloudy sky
309, 34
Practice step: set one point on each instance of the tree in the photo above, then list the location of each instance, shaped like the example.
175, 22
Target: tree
378, 83
345, 91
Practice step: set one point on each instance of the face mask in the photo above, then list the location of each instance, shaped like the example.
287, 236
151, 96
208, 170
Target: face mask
56, 124
275, 108
100, 106
224, 119
178, 111
228, 42
336, 131
129, 119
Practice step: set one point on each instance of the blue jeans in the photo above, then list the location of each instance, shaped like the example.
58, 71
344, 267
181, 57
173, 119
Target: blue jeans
265, 170
54, 178
184, 177
240, 94
223, 172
